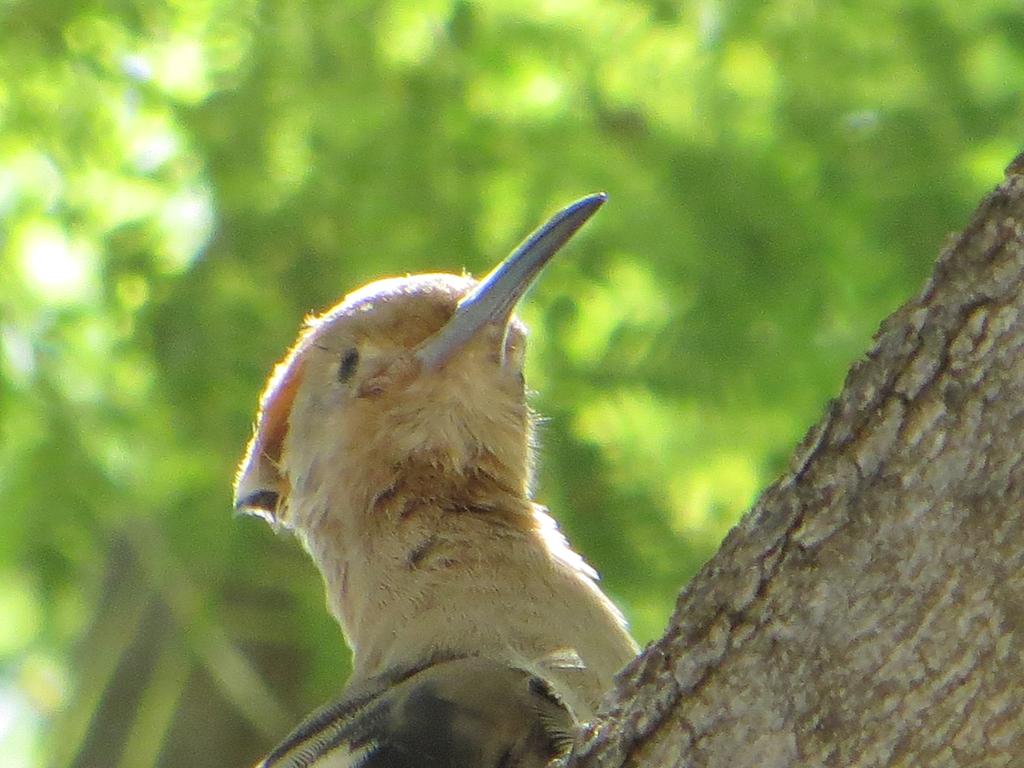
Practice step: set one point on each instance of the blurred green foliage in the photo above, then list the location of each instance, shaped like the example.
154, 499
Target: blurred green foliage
181, 181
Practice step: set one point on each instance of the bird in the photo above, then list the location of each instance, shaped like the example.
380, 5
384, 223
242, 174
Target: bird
396, 441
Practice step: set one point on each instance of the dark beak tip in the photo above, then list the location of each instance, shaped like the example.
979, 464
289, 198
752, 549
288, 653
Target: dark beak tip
587, 205
574, 216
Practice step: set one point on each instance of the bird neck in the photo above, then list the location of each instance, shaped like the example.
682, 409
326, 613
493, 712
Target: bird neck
460, 564
424, 523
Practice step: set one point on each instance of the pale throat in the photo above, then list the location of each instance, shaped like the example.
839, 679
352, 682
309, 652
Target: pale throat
414, 548
401, 510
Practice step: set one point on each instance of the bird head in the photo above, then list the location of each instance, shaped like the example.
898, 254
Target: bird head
418, 374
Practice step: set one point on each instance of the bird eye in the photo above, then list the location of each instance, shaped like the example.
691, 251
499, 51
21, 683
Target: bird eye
349, 361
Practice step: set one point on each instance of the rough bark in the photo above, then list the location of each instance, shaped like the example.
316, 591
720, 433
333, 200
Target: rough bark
868, 610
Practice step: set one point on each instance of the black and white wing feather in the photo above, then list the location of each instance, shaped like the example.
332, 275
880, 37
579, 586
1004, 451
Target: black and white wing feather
460, 713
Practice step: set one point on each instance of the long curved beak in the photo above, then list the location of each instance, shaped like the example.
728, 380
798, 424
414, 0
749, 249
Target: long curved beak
495, 297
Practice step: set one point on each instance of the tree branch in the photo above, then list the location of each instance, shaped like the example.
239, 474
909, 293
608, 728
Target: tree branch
868, 609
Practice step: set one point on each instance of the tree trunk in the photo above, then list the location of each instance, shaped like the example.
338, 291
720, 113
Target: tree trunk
868, 610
